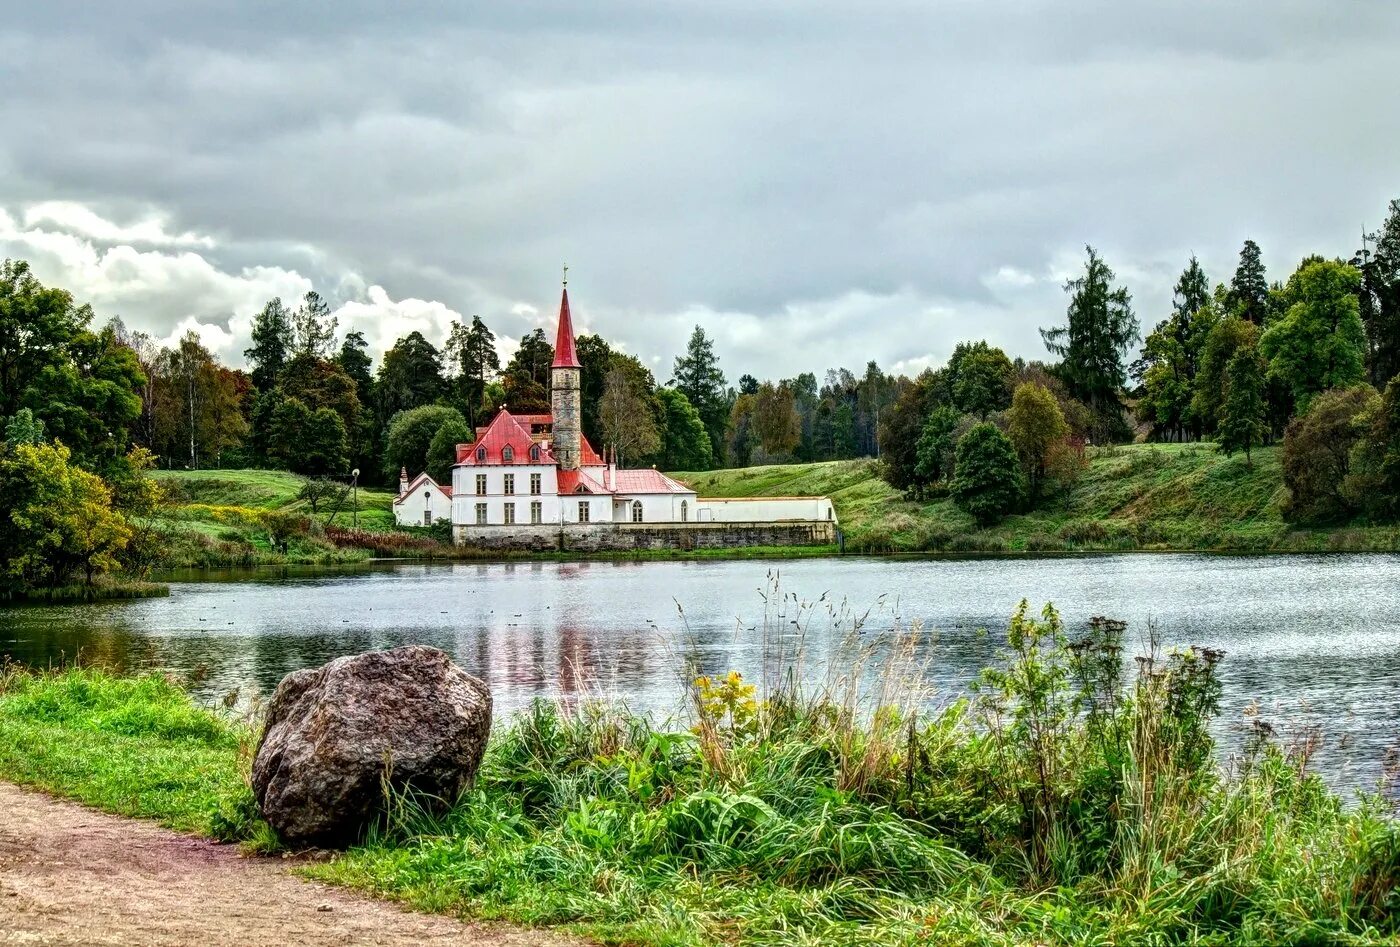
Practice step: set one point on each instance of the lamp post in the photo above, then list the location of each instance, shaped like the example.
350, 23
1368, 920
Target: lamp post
355, 501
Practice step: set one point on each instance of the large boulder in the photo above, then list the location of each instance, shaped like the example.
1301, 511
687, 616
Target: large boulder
334, 734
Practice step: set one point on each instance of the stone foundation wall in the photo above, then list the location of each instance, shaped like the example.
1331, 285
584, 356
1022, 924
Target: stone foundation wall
611, 537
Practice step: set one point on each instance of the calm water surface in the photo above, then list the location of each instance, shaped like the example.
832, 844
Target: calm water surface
1309, 639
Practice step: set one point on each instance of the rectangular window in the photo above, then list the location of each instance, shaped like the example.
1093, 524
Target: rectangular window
537, 512
636, 511
510, 485
583, 511
481, 514
535, 484
481, 485
510, 514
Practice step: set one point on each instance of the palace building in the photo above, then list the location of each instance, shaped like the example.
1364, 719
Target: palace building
534, 481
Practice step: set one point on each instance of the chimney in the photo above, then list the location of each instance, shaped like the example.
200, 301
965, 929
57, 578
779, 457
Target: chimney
403, 480
612, 469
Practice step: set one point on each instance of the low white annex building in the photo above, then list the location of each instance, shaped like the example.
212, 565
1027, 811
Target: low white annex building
527, 478
421, 502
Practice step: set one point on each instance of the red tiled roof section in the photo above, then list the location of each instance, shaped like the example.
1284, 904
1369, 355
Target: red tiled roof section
647, 481
564, 354
588, 457
571, 480
505, 430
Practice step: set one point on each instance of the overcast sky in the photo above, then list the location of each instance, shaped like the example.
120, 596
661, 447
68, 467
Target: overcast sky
815, 183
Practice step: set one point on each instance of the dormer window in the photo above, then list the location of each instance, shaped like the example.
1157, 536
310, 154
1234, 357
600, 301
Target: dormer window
508, 454
535, 453
480, 454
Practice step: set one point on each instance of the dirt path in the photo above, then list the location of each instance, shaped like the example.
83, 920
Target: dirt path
71, 875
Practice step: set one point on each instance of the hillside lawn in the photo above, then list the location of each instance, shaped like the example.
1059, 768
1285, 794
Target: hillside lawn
273, 490
211, 519
1141, 496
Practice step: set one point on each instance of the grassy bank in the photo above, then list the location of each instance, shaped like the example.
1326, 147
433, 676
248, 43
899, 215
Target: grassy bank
1142, 496
104, 589
240, 518
134, 746
1061, 805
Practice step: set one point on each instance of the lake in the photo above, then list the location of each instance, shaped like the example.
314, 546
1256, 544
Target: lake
1309, 640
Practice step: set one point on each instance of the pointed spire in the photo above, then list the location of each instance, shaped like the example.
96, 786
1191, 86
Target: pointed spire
564, 354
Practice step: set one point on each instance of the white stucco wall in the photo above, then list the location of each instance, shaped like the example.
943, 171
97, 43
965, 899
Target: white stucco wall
765, 509
465, 497
422, 499
656, 507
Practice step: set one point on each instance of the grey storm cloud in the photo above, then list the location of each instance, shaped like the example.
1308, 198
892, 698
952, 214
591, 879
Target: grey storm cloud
816, 183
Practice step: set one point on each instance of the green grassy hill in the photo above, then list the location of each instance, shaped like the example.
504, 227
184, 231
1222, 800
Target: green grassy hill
1143, 496
216, 518
270, 490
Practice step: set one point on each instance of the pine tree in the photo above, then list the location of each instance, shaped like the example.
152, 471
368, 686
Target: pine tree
472, 350
1100, 329
1249, 289
354, 360
1243, 423
1192, 291
313, 326
272, 344
697, 375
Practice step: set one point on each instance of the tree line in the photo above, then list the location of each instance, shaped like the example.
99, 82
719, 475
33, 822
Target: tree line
1243, 362
1312, 362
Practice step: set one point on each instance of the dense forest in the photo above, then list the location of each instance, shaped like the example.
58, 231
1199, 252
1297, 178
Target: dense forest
1310, 361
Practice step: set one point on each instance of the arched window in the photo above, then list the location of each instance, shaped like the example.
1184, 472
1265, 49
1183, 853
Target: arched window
535, 453
507, 454
636, 511
685, 511
480, 454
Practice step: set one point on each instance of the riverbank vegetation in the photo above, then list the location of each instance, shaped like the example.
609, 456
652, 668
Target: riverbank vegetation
1129, 497
1066, 801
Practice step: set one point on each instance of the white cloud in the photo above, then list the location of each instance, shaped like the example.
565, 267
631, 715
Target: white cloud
384, 320
74, 218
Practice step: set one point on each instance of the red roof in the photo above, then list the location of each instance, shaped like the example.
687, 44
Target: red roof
646, 481
571, 480
588, 457
504, 431
564, 354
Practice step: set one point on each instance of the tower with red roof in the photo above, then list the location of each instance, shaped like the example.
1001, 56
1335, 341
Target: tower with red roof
565, 396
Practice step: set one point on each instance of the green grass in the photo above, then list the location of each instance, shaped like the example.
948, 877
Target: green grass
211, 519
103, 589
809, 818
133, 746
273, 490
1143, 496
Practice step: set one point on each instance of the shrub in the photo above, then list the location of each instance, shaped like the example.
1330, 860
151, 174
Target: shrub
1036, 426
1317, 453
988, 481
